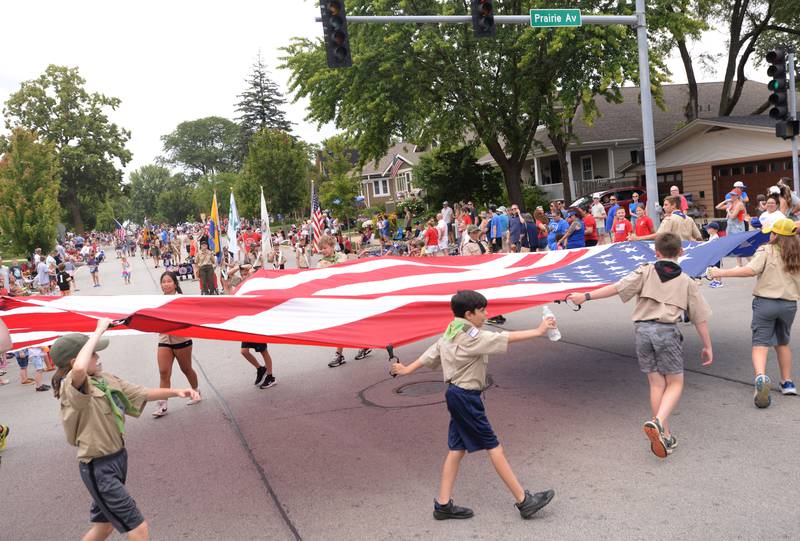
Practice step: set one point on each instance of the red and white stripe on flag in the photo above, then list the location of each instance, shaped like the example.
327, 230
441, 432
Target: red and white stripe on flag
397, 163
317, 222
370, 302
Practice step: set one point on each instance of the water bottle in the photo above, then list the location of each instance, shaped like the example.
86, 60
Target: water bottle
553, 334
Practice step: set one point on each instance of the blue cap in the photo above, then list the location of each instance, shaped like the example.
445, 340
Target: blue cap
713, 225
755, 223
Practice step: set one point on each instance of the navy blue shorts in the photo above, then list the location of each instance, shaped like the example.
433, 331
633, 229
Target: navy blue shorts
469, 427
260, 348
105, 478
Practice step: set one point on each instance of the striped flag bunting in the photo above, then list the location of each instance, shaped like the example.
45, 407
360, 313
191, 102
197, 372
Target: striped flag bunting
317, 222
371, 302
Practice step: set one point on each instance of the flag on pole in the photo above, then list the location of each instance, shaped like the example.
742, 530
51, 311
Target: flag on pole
233, 227
397, 163
317, 226
213, 230
120, 230
266, 233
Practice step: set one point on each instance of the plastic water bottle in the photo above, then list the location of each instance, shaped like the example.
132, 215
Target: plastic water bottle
553, 334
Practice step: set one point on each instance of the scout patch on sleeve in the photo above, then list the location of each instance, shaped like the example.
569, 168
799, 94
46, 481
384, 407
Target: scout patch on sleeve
473, 332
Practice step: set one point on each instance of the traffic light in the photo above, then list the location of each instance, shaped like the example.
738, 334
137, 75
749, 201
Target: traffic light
778, 84
334, 25
787, 129
483, 18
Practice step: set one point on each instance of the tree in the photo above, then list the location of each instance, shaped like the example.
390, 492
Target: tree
175, 203
29, 192
89, 147
146, 183
278, 163
454, 175
437, 82
222, 184
205, 146
260, 104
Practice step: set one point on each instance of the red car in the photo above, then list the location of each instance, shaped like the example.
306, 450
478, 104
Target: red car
624, 197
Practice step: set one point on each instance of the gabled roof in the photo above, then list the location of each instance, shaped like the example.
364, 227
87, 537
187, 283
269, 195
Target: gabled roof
406, 151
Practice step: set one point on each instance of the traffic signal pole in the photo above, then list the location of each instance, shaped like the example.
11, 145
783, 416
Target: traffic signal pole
636, 21
793, 113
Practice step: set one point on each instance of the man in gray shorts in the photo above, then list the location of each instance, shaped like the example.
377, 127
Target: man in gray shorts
665, 296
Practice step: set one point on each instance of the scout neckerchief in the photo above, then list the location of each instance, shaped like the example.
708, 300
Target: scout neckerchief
110, 394
455, 327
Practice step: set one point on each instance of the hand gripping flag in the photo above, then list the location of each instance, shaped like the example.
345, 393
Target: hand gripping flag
370, 302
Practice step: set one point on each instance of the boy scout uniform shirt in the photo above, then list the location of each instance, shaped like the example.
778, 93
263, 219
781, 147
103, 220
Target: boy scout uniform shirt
684, 227
337, 257
464, 358
205, 257
88, 419
664, 302
474, 248
773, 280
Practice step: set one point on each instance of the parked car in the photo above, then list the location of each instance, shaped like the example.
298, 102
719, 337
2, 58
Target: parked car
623, 194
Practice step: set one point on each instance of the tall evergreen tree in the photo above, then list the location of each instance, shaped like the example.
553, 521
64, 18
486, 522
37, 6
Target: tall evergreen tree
260, 104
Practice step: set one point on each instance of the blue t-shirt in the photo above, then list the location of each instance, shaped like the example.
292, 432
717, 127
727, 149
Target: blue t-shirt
632, 211
556, 230
610, 216
577, 239
499, 226
515, 228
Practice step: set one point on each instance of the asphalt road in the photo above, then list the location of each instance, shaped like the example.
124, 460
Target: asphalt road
350, 453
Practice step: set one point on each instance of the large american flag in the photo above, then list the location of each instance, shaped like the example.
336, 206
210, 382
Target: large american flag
317, 223
397, 163
372, 302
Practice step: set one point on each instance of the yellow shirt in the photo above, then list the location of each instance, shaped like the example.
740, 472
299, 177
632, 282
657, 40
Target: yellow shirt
664, 302
88, 419
464, 358
773, 280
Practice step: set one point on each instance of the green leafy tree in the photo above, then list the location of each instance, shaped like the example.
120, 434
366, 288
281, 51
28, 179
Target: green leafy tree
454, 175
91, 149
205, 146
437, 82
339, 195
281, 165
146, 184
260, 104
175, 203
29, 192
222, 184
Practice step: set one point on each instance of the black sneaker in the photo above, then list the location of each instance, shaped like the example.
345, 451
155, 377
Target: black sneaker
444, 512
42, 388
362, 353
497, 320
260, 372
338, 360
533, 502
655, 433
269, 381
671, 443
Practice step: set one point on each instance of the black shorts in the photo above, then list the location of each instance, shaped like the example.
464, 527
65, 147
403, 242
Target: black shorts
179, 345
105, 477
260, 348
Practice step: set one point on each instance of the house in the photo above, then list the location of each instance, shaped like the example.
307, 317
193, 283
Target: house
601, 155
710, 154
377, 186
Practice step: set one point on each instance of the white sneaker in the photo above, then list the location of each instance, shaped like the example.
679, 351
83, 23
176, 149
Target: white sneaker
161, 408
192, 402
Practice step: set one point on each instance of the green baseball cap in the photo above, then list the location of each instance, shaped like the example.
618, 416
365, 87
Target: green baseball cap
67, 347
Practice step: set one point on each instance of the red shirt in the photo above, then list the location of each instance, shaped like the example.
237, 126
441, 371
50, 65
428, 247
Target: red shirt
589, 221
684, 204
621, 229
466, 219
431, 237
644, 226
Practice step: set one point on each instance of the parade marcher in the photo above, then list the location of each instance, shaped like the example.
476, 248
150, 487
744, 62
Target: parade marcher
93, 409
276, 257
126, 271
777, 290
174, 348
327, 246
463, 354
664, 293
263, 373
675, 221
205, 269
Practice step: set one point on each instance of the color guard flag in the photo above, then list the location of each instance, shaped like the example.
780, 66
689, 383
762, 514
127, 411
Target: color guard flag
213, 231
266, 233
233, 227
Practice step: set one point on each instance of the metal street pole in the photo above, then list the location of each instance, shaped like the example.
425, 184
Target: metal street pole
793, 113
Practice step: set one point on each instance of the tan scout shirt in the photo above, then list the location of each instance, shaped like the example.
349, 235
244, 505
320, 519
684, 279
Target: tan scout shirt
337, 257
464, 358
663, 301
472, 248
88, 419
773, 280
685, 228
204, 257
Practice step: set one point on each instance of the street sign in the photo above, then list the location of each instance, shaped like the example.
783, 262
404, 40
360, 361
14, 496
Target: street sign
542, 18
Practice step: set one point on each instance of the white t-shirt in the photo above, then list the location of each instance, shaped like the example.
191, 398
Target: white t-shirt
598, 210
769, 218
441, 228
447, 215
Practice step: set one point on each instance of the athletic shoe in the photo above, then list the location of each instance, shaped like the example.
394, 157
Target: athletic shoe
533, 502
715, 284
194, 401
671, 443
4, 432
3, 372
761, 396
450, 510
788, 387
269, 381
362, 353
338, 360
161, 408
43, 387
261, 371
655, 433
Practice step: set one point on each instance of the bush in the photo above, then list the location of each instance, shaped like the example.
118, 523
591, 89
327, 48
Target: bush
534, 196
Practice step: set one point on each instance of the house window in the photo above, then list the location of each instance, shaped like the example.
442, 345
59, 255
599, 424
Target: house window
749, 168
380, 187
761, 167
586, 168
736, 171
404, 182
724, 171
774, 167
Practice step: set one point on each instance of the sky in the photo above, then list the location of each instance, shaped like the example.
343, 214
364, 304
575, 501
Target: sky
173, 61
